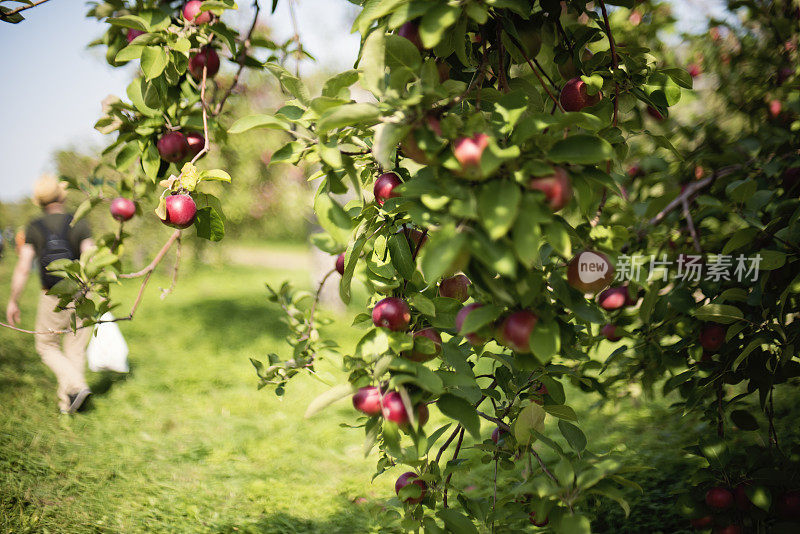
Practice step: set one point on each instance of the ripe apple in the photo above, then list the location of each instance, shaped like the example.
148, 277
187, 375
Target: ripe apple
635, 172
411, 478
614, 298
172, 147
392, 313
789, 505
455, 287
517, 329
207, 58
575, 97
122, 209
384, 187
694, 70
368, 400
610, 332
590, 271
195, 142
340, 263
730, 529
775, 108
419, 356
743, 502
411, 149
133, 34
702, 522
410, 30
557, 188
469, 150
461, 316
534, 522
498, 434
395, 411
719, 498
181, 211
712, 337
191, 13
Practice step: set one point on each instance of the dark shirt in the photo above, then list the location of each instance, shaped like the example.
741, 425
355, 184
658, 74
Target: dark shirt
55, 221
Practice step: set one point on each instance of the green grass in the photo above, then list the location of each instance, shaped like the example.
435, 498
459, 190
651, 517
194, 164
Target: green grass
185, 443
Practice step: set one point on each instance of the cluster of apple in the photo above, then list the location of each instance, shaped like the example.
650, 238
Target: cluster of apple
724, 503
180, 210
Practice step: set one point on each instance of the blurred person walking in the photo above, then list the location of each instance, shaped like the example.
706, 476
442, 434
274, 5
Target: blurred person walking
49, 238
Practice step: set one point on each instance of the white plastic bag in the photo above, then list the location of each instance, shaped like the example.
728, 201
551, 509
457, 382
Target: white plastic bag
107, 350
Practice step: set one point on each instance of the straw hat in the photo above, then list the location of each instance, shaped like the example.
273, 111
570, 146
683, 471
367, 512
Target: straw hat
48, 189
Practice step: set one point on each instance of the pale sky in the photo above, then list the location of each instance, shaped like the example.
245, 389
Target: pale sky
51, 85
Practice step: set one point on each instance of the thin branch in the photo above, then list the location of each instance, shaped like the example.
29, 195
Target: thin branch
314, 305
205, 115
157, 259
498, 422
241, 59
614, 59
690, 224
167, 291
544, 466
21, 8
536, 72
455, 457
296, 38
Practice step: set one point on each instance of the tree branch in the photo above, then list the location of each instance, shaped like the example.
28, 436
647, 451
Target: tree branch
614, 59
241, 59
21, 8
455, 457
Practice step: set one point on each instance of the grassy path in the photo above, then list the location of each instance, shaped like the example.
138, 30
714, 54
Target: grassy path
185, 443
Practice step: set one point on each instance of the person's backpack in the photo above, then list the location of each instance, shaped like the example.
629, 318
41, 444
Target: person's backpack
56, 247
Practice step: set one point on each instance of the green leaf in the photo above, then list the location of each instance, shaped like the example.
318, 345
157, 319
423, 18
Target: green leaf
373, 61
215, 175
435, 22
545, 340
754, 344
129, 53
574, 435
719, 313
400, 254
498, 204
258, 121
364, 115
154, 61
209, 224
530, 418
558, 237
441, 252
423, 304
127, 156
400, 52
744, 420
462, 411
151, 161
329, 397
387, 136
562, 411
455, 521
575, 524
290, 82
680, 77
351, 257
480, 317
338, 86
129, 21
581, 149
332, 217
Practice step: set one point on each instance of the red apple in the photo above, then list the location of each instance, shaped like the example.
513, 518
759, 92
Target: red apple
498, 434
610, 332
775, 108
395, 411
719, 498
517, 329
789, 505
534, 522
368, 400
410, 30
469, 150
590, 271
122, 209
181, 211
702, 522
712, 337
635, 171
172, 147
411, 478
694, 70
557, 188
730, 529
196, 142
391, 313
455, 287
207, 58
191, 13
133, 34
340, 263
635, 17
416, 238
574, 96
614, 298
419, 356
384, 187
461, 316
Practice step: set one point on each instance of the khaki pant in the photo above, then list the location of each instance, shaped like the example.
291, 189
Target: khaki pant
64, 354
